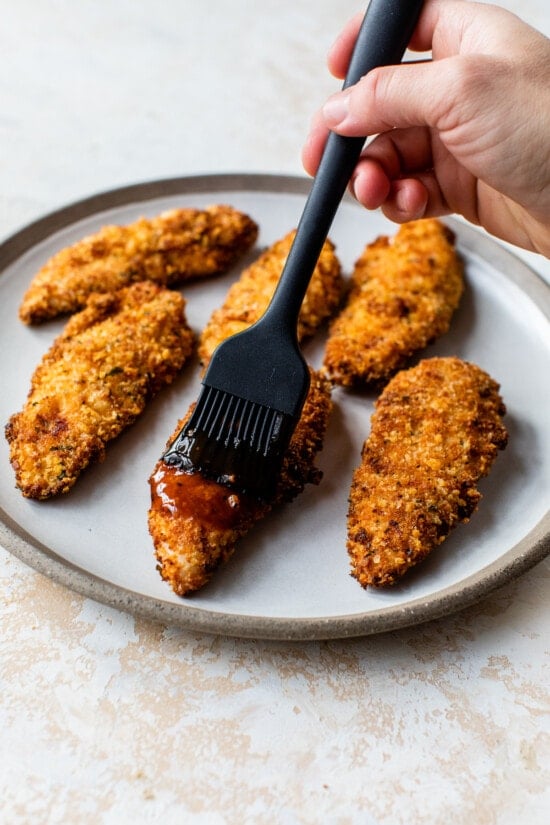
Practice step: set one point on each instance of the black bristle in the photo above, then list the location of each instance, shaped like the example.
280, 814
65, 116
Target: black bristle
234, 442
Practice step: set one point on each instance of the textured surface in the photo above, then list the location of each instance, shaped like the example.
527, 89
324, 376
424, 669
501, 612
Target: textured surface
106, 719
169, 248
110, 359
249, 296
404, 291
436, 430
196, 524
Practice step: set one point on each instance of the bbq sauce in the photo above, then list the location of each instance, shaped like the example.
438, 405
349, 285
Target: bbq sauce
189, 495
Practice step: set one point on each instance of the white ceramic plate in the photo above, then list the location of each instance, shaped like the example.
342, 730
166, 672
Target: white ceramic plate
289, 578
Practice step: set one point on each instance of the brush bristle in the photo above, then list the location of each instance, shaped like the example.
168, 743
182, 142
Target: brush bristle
233, 441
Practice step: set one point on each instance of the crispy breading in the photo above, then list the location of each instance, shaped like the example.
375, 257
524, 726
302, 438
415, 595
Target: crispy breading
93, 383
175, 246
195, 524
435, 432
248, 297
403, 294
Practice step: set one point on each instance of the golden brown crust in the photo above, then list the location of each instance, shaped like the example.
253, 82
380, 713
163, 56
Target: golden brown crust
435, 432
248, 297
175, 246
194, 535
402, 297
94, 382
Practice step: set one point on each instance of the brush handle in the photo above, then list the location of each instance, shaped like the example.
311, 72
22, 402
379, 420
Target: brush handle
384, 35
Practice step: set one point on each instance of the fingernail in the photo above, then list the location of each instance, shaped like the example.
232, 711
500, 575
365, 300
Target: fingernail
336, 109
406, 207
352, 185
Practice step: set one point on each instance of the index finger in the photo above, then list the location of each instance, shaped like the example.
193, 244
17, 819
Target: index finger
340, 52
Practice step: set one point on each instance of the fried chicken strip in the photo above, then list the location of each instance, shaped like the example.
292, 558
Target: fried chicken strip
403, 294
94, 382
196, 523
248, 297
435, 432
168, 249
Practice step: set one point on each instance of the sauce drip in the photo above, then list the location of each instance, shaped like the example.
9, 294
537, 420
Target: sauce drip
189, 495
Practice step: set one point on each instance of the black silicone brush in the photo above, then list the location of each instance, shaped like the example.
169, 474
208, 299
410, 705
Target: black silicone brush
257, 381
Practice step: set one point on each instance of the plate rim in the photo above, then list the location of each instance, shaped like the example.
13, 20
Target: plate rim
526, 553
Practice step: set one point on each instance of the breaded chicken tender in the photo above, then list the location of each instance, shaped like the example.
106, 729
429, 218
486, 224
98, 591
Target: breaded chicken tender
403, 294
94, 382
168, 249
196, 523
435, 432
248, 297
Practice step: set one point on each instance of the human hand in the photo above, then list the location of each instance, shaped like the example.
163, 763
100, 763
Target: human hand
465, 133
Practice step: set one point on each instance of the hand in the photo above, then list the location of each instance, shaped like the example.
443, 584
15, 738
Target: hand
468, 132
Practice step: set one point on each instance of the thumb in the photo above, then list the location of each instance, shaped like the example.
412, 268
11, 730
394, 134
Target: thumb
431, 94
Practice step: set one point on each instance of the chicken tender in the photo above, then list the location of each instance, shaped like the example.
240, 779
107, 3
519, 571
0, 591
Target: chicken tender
435, 432
196, 523
403, 295
171, 248
249, 296
94, 382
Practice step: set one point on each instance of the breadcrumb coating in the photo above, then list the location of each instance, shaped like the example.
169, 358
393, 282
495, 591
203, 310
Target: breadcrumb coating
168, 249
435, 432
95, 380
196, 523
247, 298
402, 297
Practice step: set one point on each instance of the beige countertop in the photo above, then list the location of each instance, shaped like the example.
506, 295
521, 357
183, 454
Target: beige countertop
108, 718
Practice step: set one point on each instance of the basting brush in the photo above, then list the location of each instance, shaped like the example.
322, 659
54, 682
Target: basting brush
257, 381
